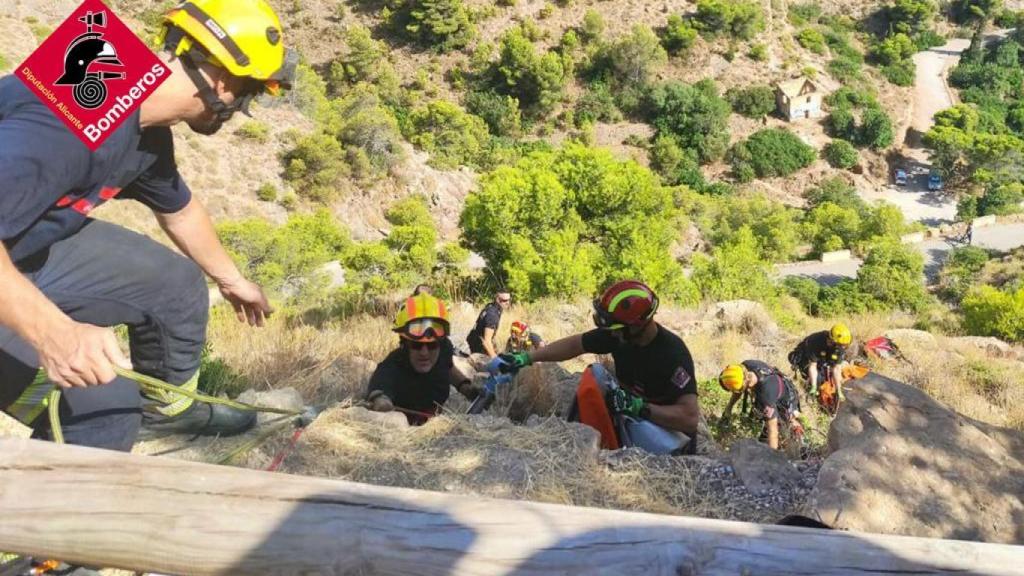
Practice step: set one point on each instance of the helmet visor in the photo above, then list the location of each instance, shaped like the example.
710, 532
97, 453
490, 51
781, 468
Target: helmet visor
424, 329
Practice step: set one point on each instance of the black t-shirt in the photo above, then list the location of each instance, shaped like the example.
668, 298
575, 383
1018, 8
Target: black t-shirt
489, 317
409, 389
816, 348
772, 395
50, 181
660, 372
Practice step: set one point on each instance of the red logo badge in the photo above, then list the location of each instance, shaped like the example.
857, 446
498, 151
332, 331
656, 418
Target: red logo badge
93, 72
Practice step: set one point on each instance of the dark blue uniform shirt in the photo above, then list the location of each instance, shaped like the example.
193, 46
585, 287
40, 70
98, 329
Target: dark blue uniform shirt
50, 181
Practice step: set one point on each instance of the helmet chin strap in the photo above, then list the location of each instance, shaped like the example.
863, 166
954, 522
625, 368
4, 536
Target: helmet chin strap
222, 112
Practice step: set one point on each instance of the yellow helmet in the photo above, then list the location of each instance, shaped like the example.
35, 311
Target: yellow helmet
731, 379
243, 36
422, 318
840, 334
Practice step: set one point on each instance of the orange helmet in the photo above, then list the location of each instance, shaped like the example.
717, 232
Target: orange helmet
519, 329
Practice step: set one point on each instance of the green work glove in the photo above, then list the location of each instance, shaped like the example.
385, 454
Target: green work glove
625, 402
514, 362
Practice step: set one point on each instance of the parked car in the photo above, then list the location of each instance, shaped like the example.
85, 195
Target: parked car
901, 177
935, 181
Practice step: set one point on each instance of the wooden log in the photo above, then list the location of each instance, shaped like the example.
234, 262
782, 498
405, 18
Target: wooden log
155, 514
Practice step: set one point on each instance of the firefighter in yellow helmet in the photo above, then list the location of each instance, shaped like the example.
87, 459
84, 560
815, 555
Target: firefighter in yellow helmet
775, 398
820, 353
417, 376
68, 278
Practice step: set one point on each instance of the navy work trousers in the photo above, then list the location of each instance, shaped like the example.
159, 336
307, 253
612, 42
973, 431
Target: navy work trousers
106, 275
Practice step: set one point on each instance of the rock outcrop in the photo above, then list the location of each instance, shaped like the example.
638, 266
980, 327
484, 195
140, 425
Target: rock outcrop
903, 463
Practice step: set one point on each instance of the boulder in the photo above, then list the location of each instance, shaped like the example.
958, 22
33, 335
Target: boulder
745, 317
908, 339
902, 463
386, 419
991, 346
283, 398
762, 469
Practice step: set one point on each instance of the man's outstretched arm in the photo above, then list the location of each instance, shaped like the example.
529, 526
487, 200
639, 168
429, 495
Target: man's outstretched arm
192, 232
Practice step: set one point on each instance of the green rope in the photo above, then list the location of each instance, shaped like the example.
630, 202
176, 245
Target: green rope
151, 385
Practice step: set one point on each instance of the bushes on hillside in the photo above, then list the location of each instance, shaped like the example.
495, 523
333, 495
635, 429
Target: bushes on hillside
735, 270
274, 255
752, 101
875, 129
741, 19
811, 39
769, 153
992, 312
678, 36
893, 275
363, 59
453, 137
633, 58
500, 113
535, 80
693, 114
566, 222
442, 25
316, 167
840, 154
960, 272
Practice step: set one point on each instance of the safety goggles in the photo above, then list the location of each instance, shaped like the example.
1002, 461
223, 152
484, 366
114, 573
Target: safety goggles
425, 328
603, 319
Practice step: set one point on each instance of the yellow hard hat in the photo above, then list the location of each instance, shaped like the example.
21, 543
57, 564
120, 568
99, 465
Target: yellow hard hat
840, 334
731, 379
243, 36
422, 318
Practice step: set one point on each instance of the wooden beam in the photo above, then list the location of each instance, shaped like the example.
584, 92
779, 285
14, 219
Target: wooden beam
155, 514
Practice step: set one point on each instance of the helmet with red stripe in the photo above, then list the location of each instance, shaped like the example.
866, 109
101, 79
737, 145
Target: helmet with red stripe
625, 303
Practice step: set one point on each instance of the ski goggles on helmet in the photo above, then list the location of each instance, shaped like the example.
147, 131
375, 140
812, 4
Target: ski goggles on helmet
424, 329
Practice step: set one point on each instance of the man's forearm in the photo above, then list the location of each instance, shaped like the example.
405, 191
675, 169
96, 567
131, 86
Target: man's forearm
560, 350
23, 308
683, 416
192, 232
773, 433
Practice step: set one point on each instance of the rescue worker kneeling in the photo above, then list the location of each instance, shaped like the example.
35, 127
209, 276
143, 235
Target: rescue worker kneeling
774, 395
415, 377
651, 401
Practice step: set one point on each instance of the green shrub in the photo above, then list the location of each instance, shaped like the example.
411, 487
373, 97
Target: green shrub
566, 222
361, 122
776, 228
811, 39
678, 36
901, 73
893, 50
893, 275
443, 25
316, 167
800, 14
267, 192
535, 80
831, 227
596, 104
741, 19
840, 154
363, 59
771, 152
845, 298
876, 130
694, 114
675, 165
254, 130
1001, 199
837, 191
453, 137
412, 236
806, 290
991, 312
752, 101
961, 271
273, 255
734, 270
758, 52
592, 27
633, 58
909, 16
501, 113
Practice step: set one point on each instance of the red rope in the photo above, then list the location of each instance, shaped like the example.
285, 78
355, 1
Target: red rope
279, 459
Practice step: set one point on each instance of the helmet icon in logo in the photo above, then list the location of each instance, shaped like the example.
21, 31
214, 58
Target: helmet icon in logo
85, 51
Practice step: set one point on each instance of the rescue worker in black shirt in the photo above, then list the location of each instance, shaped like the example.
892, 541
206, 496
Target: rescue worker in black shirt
416, 376
774, 396
481, 337
522, 338
653, 366
825, 349
68, 279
